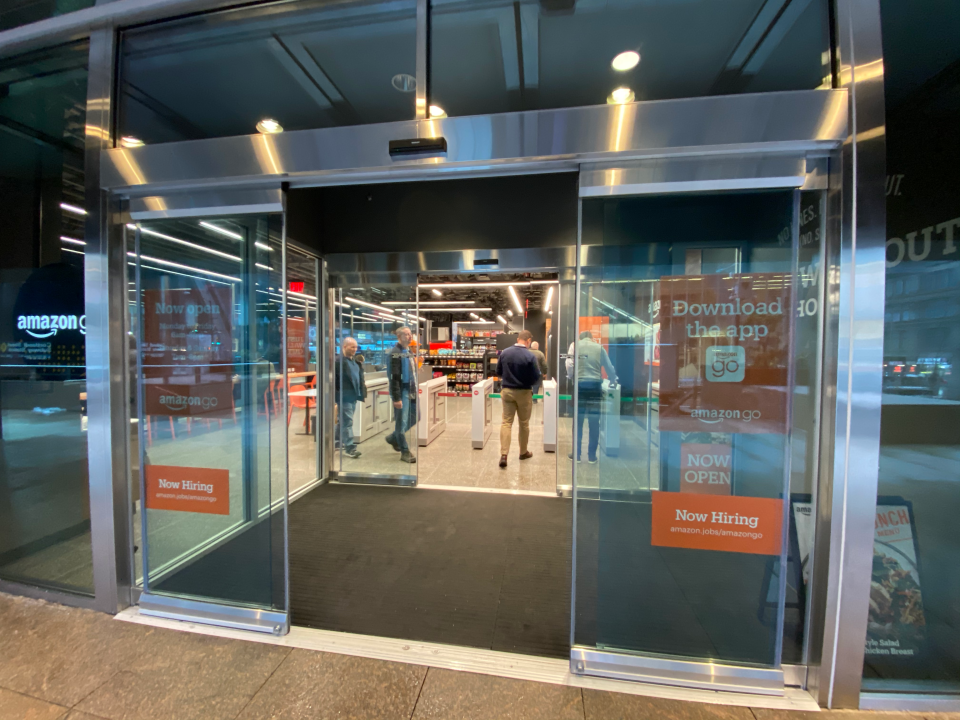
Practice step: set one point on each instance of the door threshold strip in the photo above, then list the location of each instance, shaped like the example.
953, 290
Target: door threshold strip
475, 660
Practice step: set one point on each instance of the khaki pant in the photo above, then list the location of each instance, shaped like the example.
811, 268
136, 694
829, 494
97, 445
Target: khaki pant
517, 403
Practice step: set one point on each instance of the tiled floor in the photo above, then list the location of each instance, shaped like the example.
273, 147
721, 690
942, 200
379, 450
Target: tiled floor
59, 663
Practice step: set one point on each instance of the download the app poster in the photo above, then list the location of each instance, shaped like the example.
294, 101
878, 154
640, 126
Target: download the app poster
724, 352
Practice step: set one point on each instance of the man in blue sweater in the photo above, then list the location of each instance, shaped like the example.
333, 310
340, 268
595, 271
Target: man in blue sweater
519, 373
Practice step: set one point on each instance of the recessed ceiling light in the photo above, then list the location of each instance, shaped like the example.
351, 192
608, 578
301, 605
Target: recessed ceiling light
436, 292
437, 112
269, 127
626, 61
620, 96
404, 82
128, 141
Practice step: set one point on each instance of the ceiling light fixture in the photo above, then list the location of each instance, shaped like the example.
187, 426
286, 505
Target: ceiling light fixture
430, 302
170, 238
71, 240
72, 208
502, 319
268, 126
516, 300
436, 292
184, 267
222, 231
626, 61
453, 310
476, 284
549, 298
366, 304
474, 316
621, 96
128, 141
509, 313
404, 82
437, 112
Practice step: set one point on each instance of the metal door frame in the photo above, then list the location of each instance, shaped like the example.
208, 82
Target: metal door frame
773, 125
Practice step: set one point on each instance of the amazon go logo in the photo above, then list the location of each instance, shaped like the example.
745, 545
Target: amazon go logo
44, 326
182, 402
705, 468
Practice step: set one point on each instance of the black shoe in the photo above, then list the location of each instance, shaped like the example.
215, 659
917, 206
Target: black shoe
392, 443
592, 461
527, 455
570, 455
352, 452
407, 457
503, 461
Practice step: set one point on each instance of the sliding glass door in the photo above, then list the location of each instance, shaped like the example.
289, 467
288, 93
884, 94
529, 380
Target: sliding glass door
209, 327
692, 474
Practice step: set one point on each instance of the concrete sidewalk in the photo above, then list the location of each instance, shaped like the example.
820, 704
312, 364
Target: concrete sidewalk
59, 663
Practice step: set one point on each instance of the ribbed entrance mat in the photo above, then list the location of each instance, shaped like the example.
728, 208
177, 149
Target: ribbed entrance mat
483, 570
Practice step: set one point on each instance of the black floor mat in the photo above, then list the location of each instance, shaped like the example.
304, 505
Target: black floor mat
477, 569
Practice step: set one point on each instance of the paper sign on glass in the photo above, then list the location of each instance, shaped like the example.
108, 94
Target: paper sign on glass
188, 489
724, 352
712, 522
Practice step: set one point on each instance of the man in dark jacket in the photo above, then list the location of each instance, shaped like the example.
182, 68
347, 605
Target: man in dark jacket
519, 373
403, 392
350, 387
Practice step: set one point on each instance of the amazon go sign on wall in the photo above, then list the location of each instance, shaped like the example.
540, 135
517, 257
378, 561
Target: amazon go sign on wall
188, 351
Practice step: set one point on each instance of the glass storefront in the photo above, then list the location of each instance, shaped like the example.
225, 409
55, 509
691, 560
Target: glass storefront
15, 13
496, 56
222, 430
44, 488
913, 632
286, 66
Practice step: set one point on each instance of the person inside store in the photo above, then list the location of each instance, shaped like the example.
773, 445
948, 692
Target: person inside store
403, 393
350, 387
542, 364
592, 358
519, 373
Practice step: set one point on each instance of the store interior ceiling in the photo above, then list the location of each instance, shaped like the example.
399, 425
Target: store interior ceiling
532, 297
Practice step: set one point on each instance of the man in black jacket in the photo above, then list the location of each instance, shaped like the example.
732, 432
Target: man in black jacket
350, 387
519, 373
403, 392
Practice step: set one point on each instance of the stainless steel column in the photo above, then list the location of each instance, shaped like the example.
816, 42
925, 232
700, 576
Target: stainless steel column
108, 412
848, 497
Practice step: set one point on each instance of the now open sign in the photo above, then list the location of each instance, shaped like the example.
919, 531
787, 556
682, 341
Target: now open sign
705, 468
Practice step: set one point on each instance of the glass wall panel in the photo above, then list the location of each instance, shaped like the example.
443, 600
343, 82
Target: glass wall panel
684, 442
490, 56
212, 430
913, 631
14, 13
302, 320
44, 489
300, 65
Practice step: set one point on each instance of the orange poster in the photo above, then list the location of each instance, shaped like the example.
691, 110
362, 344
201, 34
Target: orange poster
207, 399
188, 327
188, 489
724, 352
715, 522
705, 468
296, 344
599, 327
